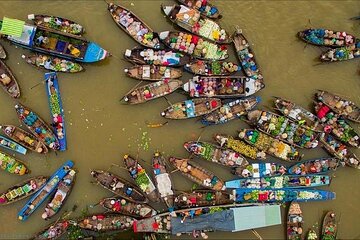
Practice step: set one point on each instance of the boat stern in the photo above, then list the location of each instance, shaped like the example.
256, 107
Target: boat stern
164, 35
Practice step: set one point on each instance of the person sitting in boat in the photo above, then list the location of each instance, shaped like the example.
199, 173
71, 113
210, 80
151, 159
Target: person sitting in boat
73, 50
58, 22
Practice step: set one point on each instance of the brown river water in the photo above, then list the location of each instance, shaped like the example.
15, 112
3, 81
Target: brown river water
100, 130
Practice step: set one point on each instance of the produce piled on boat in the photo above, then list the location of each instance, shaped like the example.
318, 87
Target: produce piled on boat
294, 222
106, 222
325, 37
8, 81
12, 165
203, 198
11, 145
329, 226
204, 7
53, 63
341, 54
257, 170
314, 166
152, 72
212, 68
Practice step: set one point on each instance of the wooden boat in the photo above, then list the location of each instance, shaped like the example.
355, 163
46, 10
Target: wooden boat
284, 181
198, 48
231, 110
106, 222
148, 56
57, 23
191, 108
342, 54
56, 108
314, 166
311, 235
163, 181
283, 128
282, 195
153, 72
62, 193
2, 52
203, 198
119, 186
141, 178
24, 138
8, 81
212, 68
52, 63
216, 154
325, 37
297, 113
152, 91
336, 125
239, 146
40, 196
22, 190
294, 222
191, 20
270, 145
11, 145
329, 226
53, 231
37, 126
339, 105
122, 206
59, 44
12, 165
204, 7
222, 87
198, 174
339, 150
257, 170
134, 26
246, 55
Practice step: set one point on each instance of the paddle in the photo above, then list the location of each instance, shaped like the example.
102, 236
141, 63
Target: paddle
131, 90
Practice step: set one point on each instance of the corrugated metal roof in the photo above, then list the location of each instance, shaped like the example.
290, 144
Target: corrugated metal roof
12, 27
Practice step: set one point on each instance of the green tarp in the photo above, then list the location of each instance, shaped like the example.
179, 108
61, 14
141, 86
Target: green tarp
12, 27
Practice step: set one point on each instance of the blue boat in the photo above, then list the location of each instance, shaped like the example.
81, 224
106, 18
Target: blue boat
281, 195
50, 41
11, 145
258, 170
45, 191
56, 108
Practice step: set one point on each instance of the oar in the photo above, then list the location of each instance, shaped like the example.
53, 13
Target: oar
131, 90
94, 205
256, 234
42, 82
167, 100
116, 165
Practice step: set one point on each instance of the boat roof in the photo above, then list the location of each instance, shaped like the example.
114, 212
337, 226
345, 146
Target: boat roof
26, 37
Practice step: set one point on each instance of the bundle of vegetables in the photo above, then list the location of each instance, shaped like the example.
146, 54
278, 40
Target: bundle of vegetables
242, 148
10, 165
215, 68
309, 195
142, 180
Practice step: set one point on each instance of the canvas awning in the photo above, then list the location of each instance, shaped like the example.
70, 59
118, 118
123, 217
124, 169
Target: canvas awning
12, 27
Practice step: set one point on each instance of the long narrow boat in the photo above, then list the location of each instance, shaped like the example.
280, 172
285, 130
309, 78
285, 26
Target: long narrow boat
141, 178
325, 37
239, 146
122, 206
212, 68
163, 180
257, 170
204, 7
314, 166
133, 26
2, 52
198, 174
311, 235
342, 54
53, 231
152, 91
339, 150
191, 108
283, 128
12, 165
270, 145
8, 81
337, 125
298, 113
203, 198
57, 23
50, 186
119, 186
329, 226
24, 138
216, 154
222, 87
22, 190
53, 42
285, 181
153, 72
231, 110
339, 105
11, 145
282, 195
294, 229
51, 63
191, 20
246, 55
37, 126
147, 56
56, 108
62, 193
194, 45
104, 222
